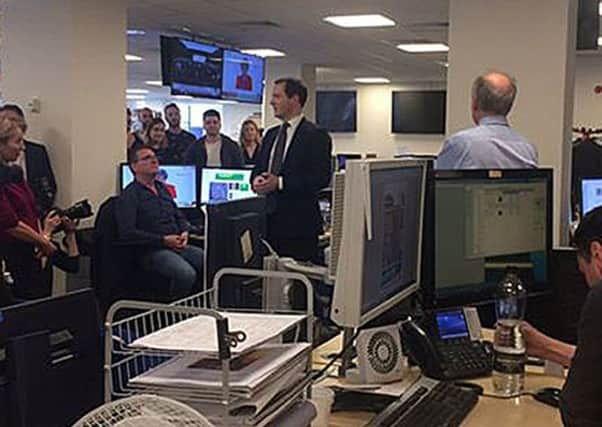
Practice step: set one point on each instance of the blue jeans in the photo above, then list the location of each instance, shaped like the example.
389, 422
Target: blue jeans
183, 268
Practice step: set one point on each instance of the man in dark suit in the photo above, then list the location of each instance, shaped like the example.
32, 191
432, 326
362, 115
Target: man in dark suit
292, 166
36, 164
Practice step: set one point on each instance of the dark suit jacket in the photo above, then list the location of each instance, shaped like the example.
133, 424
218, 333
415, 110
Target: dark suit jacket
40, 176
294, 212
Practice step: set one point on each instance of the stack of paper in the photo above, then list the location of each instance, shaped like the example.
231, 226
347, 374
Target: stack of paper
199, 334
256, 379
260, 374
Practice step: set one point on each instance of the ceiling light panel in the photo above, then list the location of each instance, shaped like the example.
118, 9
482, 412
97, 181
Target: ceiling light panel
372, 80
360, 21
264, 52
423, 47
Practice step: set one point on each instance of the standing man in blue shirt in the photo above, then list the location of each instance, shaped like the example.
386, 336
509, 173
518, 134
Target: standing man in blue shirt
492, 143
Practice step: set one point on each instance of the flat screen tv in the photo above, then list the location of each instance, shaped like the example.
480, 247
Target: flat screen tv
191, 68
418, 112
336, 111
242, 78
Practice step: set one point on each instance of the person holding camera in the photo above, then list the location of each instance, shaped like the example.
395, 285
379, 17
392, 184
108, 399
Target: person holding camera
22, 244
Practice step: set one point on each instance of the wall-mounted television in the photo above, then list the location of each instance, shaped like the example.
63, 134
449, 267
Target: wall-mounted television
336, 111
191, 68
242, 78
418, 112
205, 70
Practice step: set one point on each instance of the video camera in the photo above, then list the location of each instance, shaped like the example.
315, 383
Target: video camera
80, 210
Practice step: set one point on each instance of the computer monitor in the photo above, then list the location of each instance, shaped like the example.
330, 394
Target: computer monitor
233, 233
343, 157
591, 194
218, 185
50, 360
378, 257
485, 223
180, 181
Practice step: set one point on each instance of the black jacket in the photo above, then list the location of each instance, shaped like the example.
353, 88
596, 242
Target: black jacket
230, 154
294, 212
40, 176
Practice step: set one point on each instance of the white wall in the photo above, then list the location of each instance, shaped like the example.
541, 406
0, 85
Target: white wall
69, 54
374, 123
588, 105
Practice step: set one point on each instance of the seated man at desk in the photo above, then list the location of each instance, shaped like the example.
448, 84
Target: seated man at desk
581, 398
148, 218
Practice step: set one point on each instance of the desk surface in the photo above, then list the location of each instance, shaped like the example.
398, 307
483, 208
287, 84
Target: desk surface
491, 412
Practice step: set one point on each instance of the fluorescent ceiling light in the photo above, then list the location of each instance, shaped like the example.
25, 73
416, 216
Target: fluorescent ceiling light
132, 58
136, 91
423, 47
136, 32
360, 21
182, 96
599, 41
226, 101
154, 82
600, 8
372, 80
264, 53
133, 97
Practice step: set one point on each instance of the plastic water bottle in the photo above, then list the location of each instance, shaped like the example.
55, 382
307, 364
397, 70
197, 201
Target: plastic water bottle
508, 344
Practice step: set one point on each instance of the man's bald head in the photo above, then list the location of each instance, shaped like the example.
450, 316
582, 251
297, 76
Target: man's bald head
494, 93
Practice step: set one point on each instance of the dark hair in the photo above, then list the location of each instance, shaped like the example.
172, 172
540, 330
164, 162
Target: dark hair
490, 97
589, 230
294, 87
133, 153
211, 113
170, 105
14, 108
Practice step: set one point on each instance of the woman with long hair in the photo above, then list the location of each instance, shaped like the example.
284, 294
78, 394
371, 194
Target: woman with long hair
250, 141
156, 138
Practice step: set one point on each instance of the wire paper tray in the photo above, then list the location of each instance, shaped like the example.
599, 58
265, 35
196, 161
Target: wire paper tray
128, 356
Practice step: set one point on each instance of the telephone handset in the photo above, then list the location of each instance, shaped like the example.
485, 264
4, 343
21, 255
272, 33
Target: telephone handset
443, 345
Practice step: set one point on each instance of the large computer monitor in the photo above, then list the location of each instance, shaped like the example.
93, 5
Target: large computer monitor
219, 185
591, 194
485, 223
50, 360
233, 233
180, 181
378, 257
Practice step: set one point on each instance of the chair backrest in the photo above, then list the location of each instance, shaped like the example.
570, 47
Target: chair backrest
110, 262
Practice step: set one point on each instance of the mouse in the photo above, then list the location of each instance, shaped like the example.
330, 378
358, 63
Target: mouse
548, 395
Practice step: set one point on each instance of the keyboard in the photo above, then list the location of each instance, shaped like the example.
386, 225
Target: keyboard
461, 358
428, 403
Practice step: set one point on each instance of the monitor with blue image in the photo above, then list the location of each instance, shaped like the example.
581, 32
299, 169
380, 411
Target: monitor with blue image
591, 194
218, 185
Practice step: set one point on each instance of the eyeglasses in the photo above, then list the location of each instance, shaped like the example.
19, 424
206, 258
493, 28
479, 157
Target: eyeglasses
147, 158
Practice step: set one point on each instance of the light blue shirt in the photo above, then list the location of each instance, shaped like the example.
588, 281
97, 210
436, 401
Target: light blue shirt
493, 144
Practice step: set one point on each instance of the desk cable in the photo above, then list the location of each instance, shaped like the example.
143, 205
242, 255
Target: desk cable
325, 369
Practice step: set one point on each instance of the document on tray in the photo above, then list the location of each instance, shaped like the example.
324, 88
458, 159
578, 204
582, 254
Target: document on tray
199, 334
246, 371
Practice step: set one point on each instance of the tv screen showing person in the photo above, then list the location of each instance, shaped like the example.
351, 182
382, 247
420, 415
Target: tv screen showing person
242, 77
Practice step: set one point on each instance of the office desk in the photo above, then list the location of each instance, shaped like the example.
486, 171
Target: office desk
490, 412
